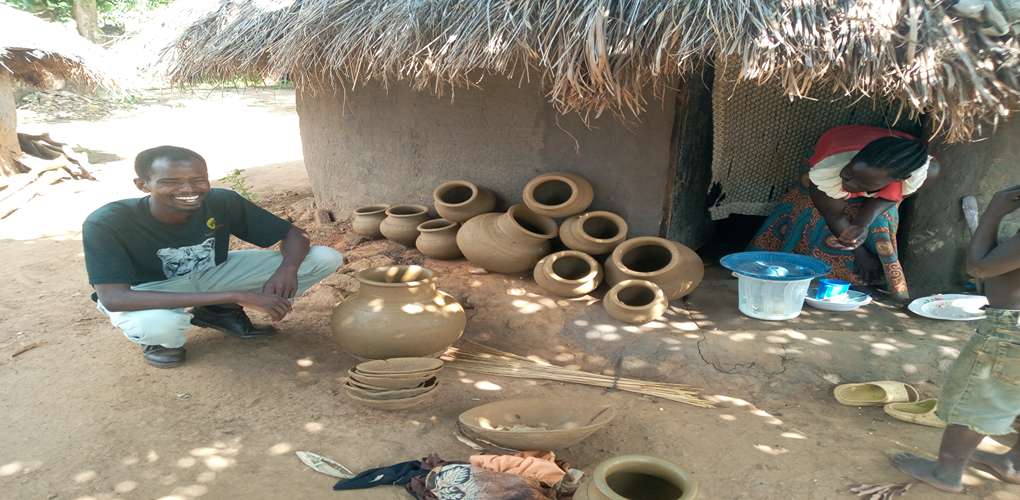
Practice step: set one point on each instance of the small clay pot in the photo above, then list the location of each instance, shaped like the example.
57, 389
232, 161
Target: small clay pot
594, 233
635, 301
672, 266
637, 477
367, 219
438, 239
401, 223
558, 194
511, 242
568, 274
459, 201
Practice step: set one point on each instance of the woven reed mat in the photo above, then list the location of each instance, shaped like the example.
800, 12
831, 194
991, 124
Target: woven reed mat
761, 138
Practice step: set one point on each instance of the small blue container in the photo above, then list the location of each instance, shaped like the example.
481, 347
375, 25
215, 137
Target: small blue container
829, 289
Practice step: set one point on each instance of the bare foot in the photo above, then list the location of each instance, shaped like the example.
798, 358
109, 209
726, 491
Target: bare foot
1001, 465
923, 469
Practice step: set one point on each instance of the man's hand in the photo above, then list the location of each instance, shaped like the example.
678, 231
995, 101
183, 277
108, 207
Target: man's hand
853, 236
283, 283
1005, 201
273, 305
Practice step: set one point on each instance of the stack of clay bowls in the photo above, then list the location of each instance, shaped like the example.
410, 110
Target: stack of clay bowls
395, 383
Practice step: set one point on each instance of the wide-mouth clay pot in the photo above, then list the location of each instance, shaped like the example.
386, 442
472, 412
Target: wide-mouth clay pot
594, 233
672, 266
568, 274
459, 201
536, 423
401, 223
637, 477
635, 301
558, 194
511, 242
367, 219
399, 366
437, 239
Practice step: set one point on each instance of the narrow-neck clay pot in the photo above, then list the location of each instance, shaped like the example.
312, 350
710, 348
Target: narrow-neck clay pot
367, 219
401, 223
672, 266
635, 301
511, 242
438, 239
558, 194
459, 201
397, 312
637, 477
568, 274
594, 233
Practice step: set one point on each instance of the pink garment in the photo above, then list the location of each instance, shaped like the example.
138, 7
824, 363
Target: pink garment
537, 465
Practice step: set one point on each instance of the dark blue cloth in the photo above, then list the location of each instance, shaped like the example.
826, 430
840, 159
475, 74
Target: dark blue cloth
398, 474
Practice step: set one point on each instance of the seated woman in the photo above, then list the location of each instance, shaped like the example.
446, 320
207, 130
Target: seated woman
845, 210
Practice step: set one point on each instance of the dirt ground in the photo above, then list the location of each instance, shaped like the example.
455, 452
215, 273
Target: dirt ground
85, 418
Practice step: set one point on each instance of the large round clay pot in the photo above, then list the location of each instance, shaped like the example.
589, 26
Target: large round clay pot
637, 477
594, 233
672, 266
558, 194
401, 223
568, 274
510, 242
635, 301
438, 239
397, 312
459, 201
367, 219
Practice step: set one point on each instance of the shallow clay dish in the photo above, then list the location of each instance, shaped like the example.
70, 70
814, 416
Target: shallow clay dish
392, 381
536, 423
429, 385
399, 365
395, 404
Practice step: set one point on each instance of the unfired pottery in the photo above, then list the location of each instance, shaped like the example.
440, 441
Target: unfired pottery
635, 301
353, 388
568, 274
672, 266
398, 366
637, 477
558, 194
397, 404
389, 381
401, 223
459, 201
511, 242
397, 312
536, 423
367, 219
437, 239
594, 233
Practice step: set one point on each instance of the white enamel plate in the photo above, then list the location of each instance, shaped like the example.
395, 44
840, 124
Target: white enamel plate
950, 307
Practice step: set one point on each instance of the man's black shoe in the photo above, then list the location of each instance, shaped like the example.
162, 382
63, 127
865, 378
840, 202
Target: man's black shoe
230, 319
163, 357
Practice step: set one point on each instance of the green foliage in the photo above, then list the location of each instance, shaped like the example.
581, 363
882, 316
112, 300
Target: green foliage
60, 10
237, 183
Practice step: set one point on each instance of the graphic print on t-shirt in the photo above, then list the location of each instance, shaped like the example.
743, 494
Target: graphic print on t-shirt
184, 260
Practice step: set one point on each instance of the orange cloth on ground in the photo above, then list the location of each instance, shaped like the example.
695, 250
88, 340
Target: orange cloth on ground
537, 465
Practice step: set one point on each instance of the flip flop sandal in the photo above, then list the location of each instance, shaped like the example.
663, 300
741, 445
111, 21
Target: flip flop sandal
921, 412
875, 393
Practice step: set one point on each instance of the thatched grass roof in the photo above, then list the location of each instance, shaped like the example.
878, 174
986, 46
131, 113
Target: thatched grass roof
40, 54
599, 55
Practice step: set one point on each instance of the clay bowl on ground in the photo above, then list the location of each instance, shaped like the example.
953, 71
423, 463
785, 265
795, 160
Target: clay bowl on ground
395, 404
399, 366
406, 381
536, 424
387, 394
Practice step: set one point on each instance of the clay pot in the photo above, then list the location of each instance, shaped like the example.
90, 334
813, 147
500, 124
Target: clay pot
401, 223
397, 366
672, 266
390, 381
635, 301
396, 404
536, 423
511, 242
459, 201
594, 233
558, 194
438, 239
367, 219
568, 274
637, 477
397, 312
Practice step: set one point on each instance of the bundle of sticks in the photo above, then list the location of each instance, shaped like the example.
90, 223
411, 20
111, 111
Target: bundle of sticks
474, 357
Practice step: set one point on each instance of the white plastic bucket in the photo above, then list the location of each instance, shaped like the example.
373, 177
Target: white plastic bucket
771, 300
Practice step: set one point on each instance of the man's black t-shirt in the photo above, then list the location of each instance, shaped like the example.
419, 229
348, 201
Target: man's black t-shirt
124, 243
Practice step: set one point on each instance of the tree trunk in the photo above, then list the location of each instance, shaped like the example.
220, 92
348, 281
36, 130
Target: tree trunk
10, 151
87, 18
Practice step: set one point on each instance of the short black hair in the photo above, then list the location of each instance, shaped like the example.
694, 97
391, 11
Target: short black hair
145, 159
898, 156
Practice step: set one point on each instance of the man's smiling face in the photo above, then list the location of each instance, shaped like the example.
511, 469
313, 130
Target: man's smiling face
179, 186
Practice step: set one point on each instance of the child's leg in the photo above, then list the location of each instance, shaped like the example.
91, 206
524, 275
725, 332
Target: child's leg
958, 444
1006, 465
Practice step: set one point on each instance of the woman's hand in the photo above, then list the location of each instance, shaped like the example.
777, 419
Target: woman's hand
1005, 202
853, 236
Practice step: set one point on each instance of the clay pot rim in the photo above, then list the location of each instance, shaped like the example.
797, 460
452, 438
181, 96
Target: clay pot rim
420, 210
371, 209
642, 241
621, 224
448, 224
446, 186
633, 463
551, 259
529, 189
430, 277
550, 224
614, 294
